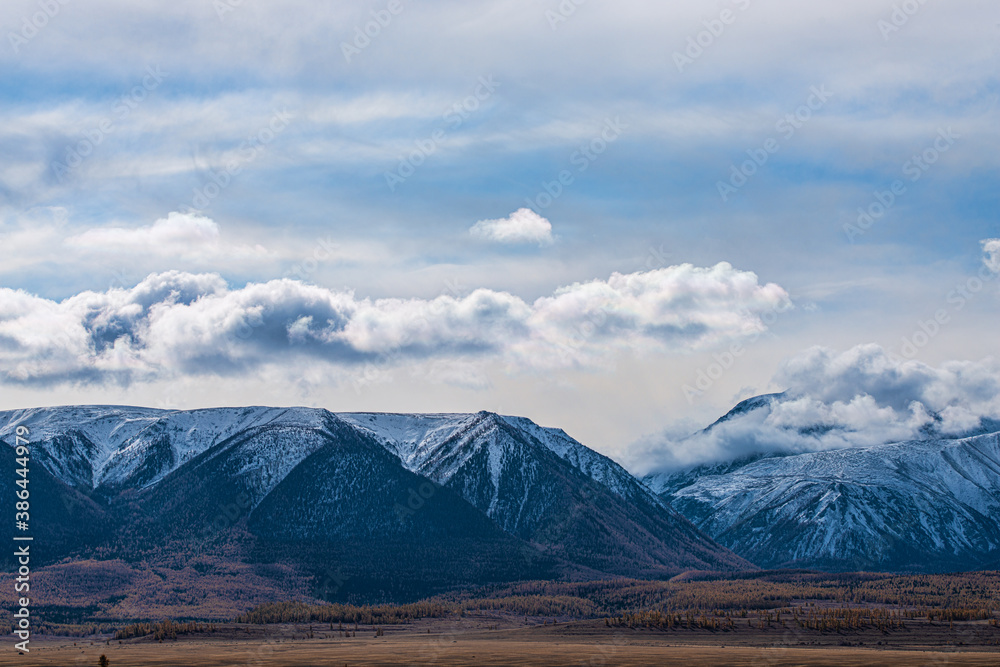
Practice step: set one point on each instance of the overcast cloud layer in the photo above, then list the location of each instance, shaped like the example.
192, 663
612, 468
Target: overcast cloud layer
512, 196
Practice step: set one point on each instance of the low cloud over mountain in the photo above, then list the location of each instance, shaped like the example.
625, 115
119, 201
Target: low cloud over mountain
860, 397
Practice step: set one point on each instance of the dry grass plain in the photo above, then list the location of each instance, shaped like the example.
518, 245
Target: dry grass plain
447, 644
314, 653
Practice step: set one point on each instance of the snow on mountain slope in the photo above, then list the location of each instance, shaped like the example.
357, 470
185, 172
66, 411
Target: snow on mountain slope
117, 446
411, 437
180, 436
666, 483
77, 441
260, 457
783, 424
542, 486
594, 465
442, 446
418, 439
922, 505
537, 485
746, 406
499, 470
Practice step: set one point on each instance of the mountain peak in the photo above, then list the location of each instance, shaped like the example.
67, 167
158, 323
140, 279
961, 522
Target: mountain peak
925, 505
330, 475
747, 406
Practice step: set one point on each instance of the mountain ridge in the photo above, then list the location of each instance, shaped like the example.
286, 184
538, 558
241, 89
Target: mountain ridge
917, 505
488, 498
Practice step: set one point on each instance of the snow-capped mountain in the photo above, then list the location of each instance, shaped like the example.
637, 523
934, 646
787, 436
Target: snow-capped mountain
924, 505
116, 447
545, 487
427, 444
492, 497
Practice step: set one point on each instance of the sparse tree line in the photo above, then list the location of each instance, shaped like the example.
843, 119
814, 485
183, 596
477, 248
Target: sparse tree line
821, 602
834, 619
716, 620
978, 590
848, 619
536, 605
68, 629
163, 630
298, 612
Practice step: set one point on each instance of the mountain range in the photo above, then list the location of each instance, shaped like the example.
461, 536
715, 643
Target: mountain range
371, 507
397, 506
927, 505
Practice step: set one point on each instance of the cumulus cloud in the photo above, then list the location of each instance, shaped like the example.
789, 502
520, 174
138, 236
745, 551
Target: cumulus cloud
678, 307
177, 324
184, 235
522, 226
991, 249
857, 398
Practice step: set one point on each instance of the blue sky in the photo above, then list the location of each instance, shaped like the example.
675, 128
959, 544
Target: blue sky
224, 147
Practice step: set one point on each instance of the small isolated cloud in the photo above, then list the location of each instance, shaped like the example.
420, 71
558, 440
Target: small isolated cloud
857, 398
522, 226
991, 248
185, 235
183, 324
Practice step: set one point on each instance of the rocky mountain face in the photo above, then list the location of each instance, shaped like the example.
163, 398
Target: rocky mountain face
549, 490
925, 505
396, 506
374, 506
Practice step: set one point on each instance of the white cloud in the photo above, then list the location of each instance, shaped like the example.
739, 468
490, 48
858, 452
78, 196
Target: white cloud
856, 398
179, 324
182, 235
678, 307
991, 248
522, 226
